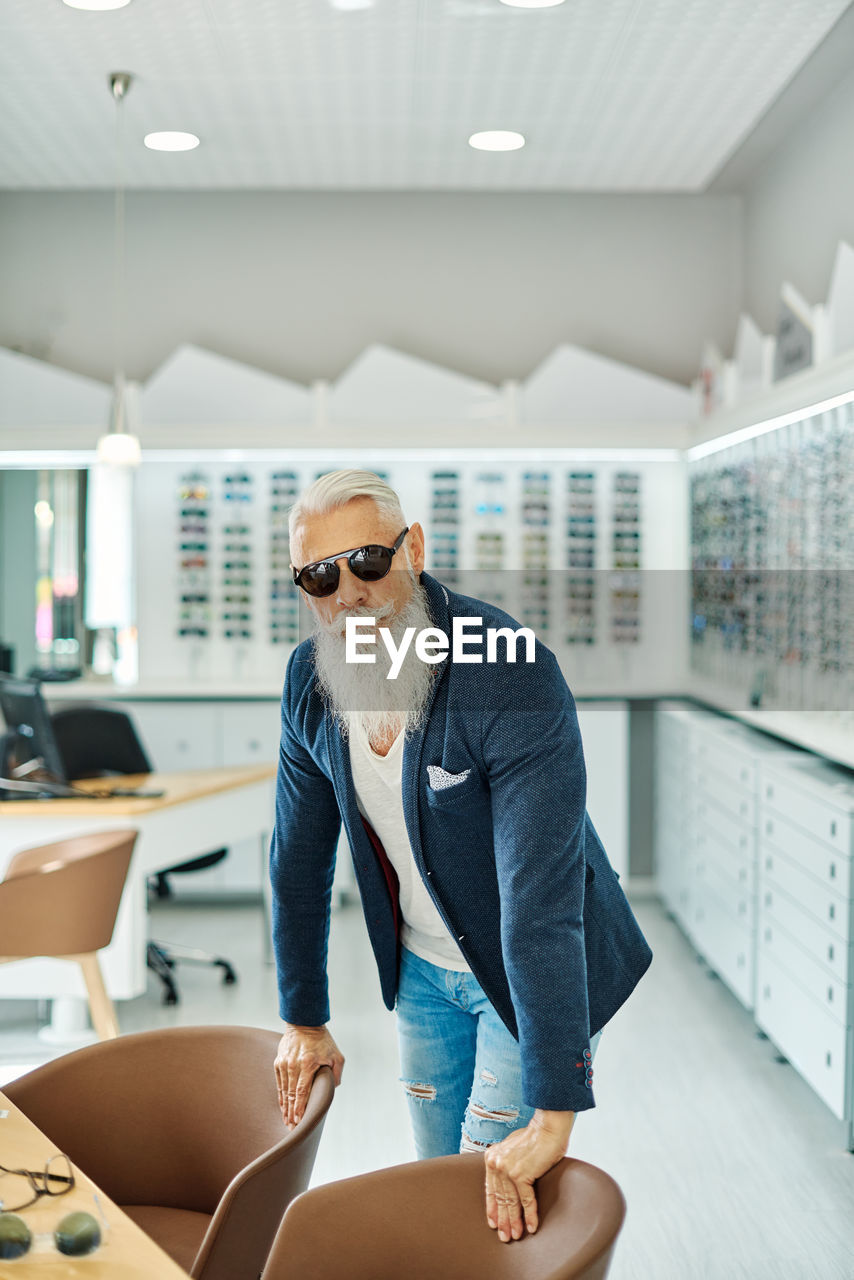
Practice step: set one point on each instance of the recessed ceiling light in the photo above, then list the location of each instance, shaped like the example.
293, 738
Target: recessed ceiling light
532, 4
96, 4
347, 5
496, 140
170, 141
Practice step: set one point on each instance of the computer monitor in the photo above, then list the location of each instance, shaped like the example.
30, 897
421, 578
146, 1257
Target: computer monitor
26, 714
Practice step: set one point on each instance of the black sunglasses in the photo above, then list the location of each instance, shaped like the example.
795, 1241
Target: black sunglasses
368, 563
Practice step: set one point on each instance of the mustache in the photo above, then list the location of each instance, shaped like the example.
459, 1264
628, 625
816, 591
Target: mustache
336, 626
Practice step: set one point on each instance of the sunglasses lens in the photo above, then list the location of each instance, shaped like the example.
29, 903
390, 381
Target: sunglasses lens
371, 563
77, 1234
15, 1237
320, 580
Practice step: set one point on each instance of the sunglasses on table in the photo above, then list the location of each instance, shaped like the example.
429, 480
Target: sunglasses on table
368, 564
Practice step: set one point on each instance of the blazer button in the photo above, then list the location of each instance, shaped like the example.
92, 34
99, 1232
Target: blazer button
589, 1084
587, 1053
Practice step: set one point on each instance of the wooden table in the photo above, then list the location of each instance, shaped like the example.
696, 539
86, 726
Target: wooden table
126, 1252
199, 811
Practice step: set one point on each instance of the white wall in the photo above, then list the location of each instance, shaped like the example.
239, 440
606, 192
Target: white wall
798, 206
300, 283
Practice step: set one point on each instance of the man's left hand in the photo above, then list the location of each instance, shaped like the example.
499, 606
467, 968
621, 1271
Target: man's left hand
514, 1164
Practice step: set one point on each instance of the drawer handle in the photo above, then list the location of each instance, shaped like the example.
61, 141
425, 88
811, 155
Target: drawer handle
742, 907
766, 992
830, 951
743, 807
830, 995
833, 870
254, 744
769, 828
831, 911
740, 960
742, 875
833, 828
769, 863
742, 844
768, 898
768, 935
769, 791
828, 1057
745, 775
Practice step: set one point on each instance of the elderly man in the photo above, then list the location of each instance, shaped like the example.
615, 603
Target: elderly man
501, 934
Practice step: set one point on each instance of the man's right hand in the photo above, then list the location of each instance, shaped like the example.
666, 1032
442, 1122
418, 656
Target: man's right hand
301, 1051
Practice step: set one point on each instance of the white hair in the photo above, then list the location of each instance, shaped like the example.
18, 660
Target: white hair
336, 488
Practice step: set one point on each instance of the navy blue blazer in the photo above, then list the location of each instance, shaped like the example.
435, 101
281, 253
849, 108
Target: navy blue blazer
509, 855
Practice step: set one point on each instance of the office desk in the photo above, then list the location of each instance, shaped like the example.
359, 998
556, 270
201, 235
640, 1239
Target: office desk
200, 810
126, 1252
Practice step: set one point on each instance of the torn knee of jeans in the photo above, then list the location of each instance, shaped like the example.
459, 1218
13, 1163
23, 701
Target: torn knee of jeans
421, 1092
489, 1078
467, 1143
499, 1116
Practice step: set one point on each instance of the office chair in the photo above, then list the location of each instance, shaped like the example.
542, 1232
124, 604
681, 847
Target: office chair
181, 1128
96, 740
61, 900
427, 1221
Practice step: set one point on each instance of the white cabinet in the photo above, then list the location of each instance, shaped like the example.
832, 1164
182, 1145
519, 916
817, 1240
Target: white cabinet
604, 730
754, 850
707, 788
806, 846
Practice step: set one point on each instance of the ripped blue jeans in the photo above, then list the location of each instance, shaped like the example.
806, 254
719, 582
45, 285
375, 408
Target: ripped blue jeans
460, 1066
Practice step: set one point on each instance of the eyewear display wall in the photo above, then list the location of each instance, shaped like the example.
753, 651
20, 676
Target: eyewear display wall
560, 545
772, 534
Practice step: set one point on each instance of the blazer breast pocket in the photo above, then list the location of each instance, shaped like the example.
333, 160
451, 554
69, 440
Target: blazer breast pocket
447, 790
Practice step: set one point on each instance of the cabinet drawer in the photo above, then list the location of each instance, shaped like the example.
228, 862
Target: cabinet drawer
792, 953
807, 811
250, 733
726, 945
725, 872
736, 900
725, 827
728, 760
711, 789
777, 872
829, 867
179, 735
815, 1044
826, 947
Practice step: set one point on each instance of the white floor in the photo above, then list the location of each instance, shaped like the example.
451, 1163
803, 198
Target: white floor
731, 1167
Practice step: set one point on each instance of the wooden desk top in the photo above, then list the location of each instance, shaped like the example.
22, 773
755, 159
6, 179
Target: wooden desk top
178, 788
126, 1252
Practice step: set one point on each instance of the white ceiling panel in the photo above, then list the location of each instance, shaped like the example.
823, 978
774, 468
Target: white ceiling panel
612, 95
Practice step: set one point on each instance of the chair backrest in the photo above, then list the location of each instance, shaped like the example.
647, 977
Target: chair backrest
426, 1221
95, 739
188, 1118
62, 898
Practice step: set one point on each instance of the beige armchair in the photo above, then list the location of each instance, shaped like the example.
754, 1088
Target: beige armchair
61, 900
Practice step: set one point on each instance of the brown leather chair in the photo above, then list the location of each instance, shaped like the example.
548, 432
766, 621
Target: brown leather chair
426, 1221
61, 900
182, 1128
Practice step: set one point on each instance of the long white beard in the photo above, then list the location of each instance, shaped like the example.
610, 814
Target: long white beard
361, 691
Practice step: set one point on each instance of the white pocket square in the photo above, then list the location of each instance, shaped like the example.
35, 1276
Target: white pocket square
440, 778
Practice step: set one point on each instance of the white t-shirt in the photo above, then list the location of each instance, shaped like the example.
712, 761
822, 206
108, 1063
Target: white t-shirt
378, 781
